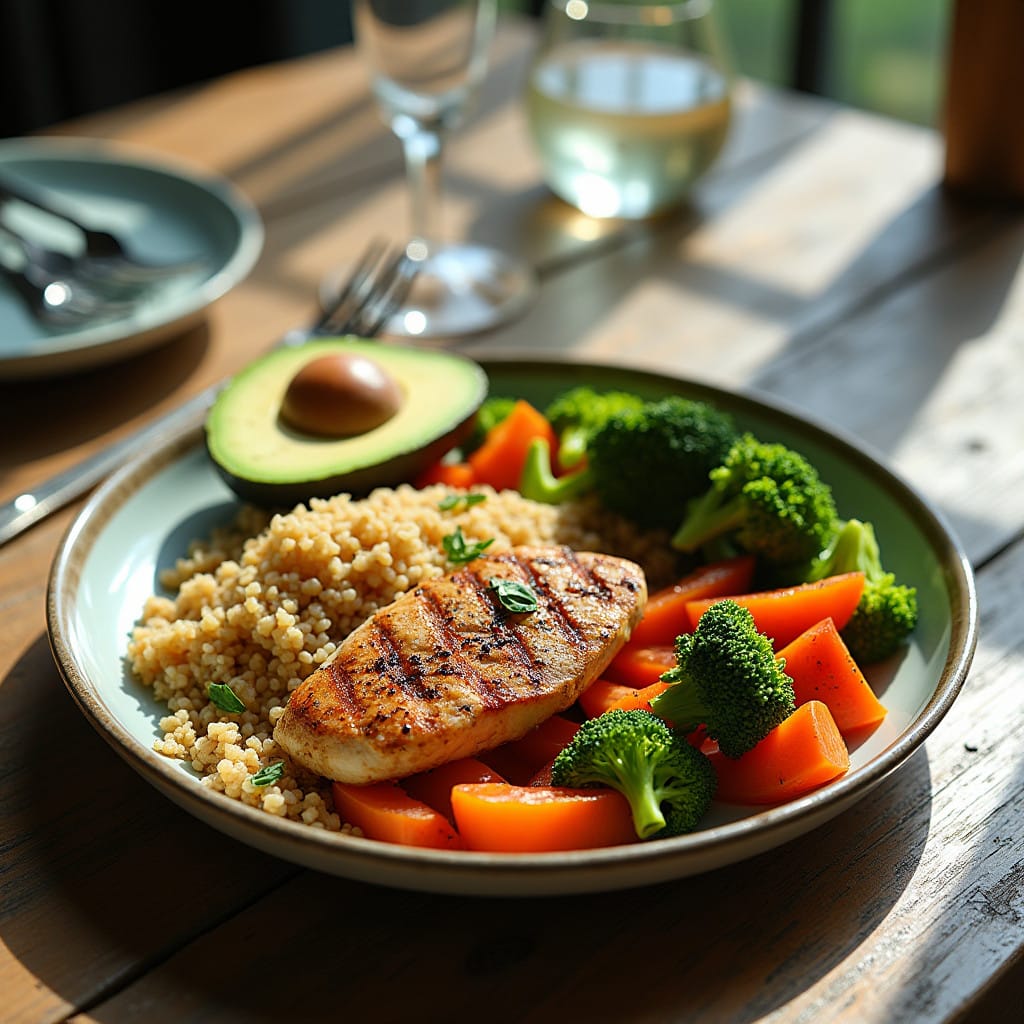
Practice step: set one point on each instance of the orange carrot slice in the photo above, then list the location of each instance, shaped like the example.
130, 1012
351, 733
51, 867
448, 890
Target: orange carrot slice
600, 695
822, 668
434, 787
499, 460
804, 752
784, 614
520, 759
640, 666
534, 819
665, 616
640, 700
386, 812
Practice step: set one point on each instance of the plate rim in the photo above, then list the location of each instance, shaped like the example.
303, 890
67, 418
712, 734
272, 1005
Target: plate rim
72, 351
471, 872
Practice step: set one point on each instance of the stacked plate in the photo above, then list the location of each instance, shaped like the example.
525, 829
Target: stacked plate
163, 212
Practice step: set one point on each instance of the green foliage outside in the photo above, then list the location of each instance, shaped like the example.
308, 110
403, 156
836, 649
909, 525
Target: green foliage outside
887, 56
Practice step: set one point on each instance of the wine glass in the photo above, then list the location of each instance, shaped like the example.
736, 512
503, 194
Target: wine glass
427, 58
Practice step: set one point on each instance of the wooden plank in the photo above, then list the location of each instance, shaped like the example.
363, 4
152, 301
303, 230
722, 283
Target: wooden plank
930, 379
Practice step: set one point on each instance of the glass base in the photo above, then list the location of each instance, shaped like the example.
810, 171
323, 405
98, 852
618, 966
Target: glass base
460, 290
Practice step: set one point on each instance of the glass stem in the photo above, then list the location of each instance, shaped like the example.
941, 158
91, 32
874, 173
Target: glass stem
423, 169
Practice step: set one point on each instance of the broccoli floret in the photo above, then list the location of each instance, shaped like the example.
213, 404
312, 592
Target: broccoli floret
887, 612
768, 500
668, 782
578, 413
727, 679
539, 483
489, 415
649, 462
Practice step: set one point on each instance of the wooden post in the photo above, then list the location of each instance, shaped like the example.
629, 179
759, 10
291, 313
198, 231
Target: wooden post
984, 111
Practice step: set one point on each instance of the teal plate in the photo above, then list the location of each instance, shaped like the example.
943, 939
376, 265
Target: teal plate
143, 518
162, 211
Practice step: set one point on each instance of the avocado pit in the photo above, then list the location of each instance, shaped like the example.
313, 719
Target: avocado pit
341, 394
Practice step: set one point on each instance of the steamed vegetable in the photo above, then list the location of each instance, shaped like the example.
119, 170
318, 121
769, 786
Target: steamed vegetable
786, 612
727, 679
800, 754
577, 414
649, 462
887, 611
668, 783
767, 500
500, 818
822, 668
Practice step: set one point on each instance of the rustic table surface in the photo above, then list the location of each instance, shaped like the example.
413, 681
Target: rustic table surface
822, 264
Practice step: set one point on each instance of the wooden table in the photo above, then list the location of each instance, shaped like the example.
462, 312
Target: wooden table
822, 264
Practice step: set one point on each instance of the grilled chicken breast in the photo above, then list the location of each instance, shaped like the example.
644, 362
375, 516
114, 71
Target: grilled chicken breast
447, 672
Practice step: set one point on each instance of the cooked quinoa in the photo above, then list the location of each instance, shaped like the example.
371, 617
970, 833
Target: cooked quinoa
259, 606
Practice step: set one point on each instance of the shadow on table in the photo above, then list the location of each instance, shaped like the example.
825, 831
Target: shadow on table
102, 875
54, 413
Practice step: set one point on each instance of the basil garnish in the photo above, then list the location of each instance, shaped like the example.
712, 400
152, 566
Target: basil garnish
225, 698
513, 595
268, 774
456, 501
460, 550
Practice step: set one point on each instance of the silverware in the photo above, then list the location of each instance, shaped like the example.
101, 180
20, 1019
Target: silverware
51, 292
374, 290
104, 258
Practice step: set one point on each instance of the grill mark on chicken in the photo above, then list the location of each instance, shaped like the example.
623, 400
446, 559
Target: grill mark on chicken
514, 632
403, 673
492, 693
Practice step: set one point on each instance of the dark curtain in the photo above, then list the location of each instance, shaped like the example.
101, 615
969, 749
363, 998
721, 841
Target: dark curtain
64, 58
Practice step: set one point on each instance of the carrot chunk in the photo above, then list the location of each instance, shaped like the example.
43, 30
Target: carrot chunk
434, 787
519, 760
386, 812
640, 666
535, 819
499, 460
600, 695
804, 752
785, 613
665, 616
822, 668
640, 700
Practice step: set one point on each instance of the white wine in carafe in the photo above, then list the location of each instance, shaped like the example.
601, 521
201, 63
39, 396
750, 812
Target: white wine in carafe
624, 129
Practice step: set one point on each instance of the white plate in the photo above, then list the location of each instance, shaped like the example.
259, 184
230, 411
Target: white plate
164, 212
143, 518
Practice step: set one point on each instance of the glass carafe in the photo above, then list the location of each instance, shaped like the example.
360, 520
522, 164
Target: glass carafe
628, 103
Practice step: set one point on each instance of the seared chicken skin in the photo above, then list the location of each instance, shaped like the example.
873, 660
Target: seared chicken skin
447, 672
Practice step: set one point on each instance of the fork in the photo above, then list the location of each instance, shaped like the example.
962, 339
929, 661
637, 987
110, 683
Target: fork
376, 287
105, 258
53, 295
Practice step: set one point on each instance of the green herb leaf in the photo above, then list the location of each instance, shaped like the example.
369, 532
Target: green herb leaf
460, 550
268, 774
225, 698
513, 595
457, 501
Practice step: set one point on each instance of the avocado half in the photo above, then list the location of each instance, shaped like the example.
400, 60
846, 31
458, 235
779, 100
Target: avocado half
267, 462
